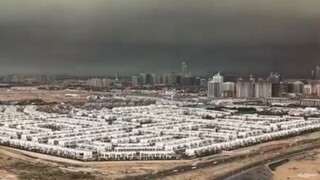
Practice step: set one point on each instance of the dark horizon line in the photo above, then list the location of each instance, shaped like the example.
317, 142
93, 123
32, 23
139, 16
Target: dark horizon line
125, 75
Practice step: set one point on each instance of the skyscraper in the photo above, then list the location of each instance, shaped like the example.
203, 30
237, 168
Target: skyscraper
275, 80
143, 79
263, 89
307, 89
137, 80
228, 89
210, 89
116, 76
245, 89
215, 86
318, 72
184, 70
98, 82
298, 87
317, 89
148, 79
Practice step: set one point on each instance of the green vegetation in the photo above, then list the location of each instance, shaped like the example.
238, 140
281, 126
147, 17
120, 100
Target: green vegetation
247, 111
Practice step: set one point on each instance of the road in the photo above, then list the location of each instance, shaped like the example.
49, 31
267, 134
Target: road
220, 168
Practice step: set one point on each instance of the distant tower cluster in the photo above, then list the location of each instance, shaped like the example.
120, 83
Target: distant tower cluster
143, 79
98, 82
249, 88
215, 86
184, 70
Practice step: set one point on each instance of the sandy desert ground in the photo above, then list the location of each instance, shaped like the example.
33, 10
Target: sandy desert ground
15, 165
307, 168
45, 95
18, 164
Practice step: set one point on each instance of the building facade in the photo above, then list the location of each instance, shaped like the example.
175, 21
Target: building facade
228, 89
245, 89
215, 86
263, 89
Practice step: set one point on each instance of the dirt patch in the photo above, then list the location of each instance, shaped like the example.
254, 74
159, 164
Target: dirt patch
299, 169
5, 175
12, 168
30, 165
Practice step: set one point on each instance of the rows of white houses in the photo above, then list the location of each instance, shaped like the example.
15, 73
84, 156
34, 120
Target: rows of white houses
145, 132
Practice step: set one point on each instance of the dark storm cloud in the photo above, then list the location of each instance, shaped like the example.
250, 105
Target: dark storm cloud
102, 36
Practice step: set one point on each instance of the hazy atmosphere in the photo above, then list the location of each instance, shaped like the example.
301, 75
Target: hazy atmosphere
99, 37
159, 89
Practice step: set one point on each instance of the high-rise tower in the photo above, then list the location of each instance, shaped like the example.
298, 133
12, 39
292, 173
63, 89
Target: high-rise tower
318, 72
184, 70
215, 86
116, 76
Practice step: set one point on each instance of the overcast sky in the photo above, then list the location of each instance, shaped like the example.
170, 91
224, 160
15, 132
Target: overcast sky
98, 37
